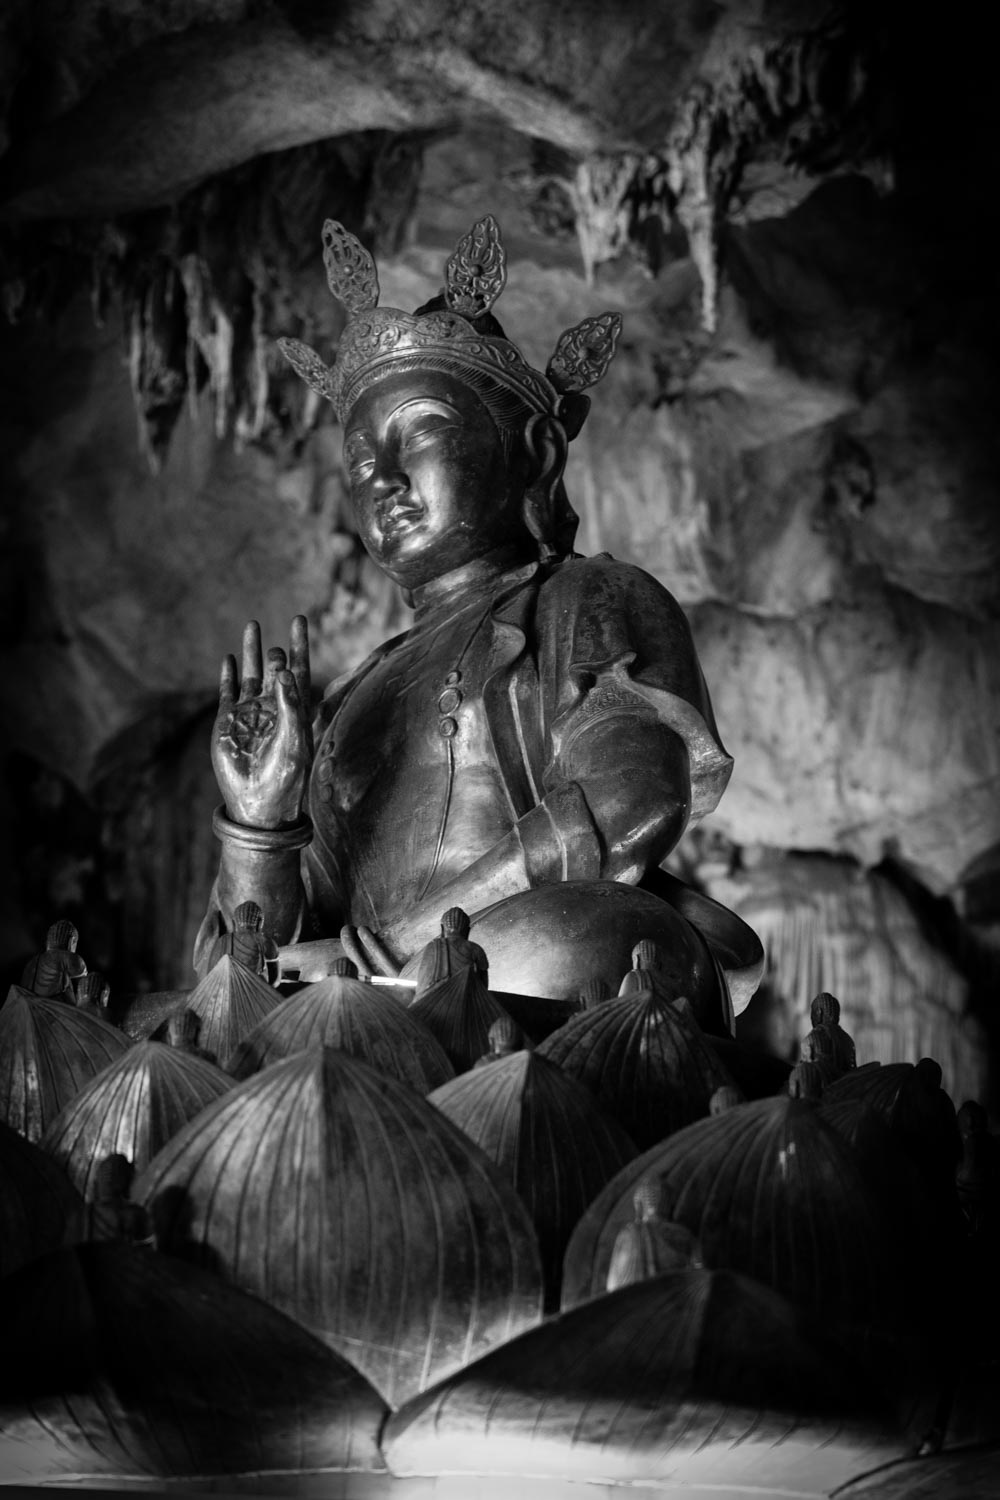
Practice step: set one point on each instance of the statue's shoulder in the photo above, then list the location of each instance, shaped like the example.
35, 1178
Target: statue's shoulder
603, 582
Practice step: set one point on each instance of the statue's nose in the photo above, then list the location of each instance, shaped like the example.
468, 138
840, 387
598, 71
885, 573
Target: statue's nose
387, 482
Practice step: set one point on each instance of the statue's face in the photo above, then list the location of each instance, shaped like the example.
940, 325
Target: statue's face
429, 480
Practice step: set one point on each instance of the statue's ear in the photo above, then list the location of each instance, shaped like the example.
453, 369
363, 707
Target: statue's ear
546, 446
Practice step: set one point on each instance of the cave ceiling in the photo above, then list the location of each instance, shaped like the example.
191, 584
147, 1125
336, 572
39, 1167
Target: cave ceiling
798, 438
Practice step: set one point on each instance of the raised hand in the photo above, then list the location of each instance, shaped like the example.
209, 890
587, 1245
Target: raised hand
262, 739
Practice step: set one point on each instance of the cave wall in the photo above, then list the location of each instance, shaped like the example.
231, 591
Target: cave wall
797, 436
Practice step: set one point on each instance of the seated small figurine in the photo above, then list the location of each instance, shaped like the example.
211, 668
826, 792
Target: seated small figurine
828, 1045
506, 1038
446, 955
54, 972
247, 942
725, 1098
646, 970
113, 1215
594, 993
181, 1031
93, 995
651, 1245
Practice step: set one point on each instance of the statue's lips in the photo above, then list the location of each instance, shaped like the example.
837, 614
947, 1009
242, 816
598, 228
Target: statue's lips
400, 521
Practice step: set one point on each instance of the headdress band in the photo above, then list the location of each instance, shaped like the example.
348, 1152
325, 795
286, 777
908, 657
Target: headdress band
461, 332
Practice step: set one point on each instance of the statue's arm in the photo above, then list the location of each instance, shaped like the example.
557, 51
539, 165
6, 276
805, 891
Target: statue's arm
261, 754
268, 874
619, 807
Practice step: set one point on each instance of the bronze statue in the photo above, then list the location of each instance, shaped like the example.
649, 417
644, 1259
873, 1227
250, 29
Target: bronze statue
54, 972
93, 995
651, 1245
543, 722
452, 951
828, 1045
247, 942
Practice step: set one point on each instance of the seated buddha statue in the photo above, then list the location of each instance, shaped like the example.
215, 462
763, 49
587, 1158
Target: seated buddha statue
531, 749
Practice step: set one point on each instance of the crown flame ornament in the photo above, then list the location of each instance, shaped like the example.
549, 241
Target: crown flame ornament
456, 330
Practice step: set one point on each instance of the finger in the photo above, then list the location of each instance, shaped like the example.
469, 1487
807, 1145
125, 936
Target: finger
299, 661
287, 695
227, 682
276, 663
354, 951
252, 667
382, 961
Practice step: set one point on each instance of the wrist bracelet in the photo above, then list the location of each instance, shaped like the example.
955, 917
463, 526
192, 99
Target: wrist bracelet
263, 840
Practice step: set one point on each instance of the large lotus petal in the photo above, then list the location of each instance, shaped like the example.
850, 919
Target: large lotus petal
917, 1110
39, 1207
340, 1196
354, 1017
547, 1135
962, 1475
695, 1378
646, 1060
769, 1189
459, 1012
131, 1109
118, 1361
49, 1051
229, 1002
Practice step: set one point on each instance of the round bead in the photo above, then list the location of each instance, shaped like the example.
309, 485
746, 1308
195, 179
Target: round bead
326, 793
453, 677
449, 700
325, 770
448, 728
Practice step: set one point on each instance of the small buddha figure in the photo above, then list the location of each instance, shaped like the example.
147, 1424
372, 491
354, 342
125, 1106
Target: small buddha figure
452, 951
646, 966
805, 1081
594, 993
54, 972
93, 995
181, 1031
247, 942
113, 1215
650, 1245
506, 1038
725, 1098
828, 1045
543, 722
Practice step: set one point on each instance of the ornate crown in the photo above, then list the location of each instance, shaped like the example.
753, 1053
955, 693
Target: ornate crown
457, 329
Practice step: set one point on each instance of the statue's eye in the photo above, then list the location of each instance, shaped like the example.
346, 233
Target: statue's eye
360, 464
423, 433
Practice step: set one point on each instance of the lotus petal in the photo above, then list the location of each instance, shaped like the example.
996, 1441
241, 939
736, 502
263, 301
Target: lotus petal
119, 1361
956, 1475
548, 1137
920, 1114
696, 1378
131, 1109
48, 1052
40, 1209
646, 1060
342, 1197
229, 1002
768, 1189
142, 1016
355, 1017
459, 1012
